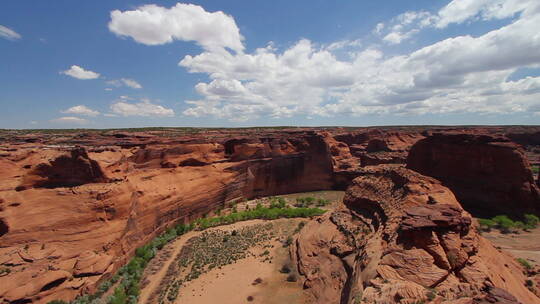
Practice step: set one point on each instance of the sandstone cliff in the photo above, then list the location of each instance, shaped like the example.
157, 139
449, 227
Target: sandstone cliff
69, 218
490, 175
403, 238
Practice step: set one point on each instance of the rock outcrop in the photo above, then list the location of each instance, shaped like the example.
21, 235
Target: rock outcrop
63, 169
403, 238
375, 147
489, 175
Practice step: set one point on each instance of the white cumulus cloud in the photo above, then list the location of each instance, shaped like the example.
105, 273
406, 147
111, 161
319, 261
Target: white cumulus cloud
153, 25
81, 110
142, 108
76, 71
9, 34
461, 74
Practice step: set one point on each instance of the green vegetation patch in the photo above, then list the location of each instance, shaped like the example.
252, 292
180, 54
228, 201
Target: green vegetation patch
525, 263
260, 212
506, 225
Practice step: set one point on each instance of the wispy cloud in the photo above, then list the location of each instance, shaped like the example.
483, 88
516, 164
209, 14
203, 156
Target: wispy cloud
131, 83
9, 34
81, 110
70, 120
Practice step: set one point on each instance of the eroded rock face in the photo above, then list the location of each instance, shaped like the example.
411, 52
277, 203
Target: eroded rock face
63, 169
403, 238
67, 219
375, 147
18, 291
489, 175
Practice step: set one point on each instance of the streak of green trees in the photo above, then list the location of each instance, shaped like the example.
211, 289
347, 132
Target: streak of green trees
506, 225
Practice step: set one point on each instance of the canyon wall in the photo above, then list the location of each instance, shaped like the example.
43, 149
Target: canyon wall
73, 207
69, 218
490, 175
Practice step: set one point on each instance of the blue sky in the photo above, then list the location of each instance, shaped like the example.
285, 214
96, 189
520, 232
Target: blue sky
103, 64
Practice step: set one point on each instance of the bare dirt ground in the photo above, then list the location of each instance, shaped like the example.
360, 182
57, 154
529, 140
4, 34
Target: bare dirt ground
249, 280
162, 261
166, 256
525, 245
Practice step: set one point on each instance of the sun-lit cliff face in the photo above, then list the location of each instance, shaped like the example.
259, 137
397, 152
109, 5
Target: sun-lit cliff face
73, 207
402, 238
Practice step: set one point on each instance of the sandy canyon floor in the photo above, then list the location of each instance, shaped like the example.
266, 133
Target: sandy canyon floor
525, 245
257, 277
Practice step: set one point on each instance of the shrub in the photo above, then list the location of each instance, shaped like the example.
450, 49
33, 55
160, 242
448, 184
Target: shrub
288, 241
292, 277
285, 269
519, 225
182, 228
4, 270
486, 224
531, 221
524, 263
357, 298
300, 202
322, 202
134, 290
431, 294
278, 202
504, 223
57, 302
119, 296
300, 226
